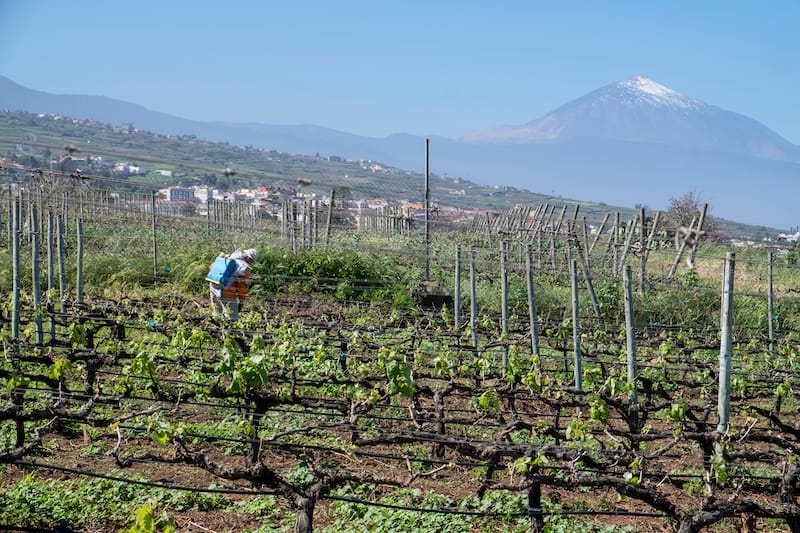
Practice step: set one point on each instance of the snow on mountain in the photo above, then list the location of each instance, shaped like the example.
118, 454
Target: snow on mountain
641, 110
644, 90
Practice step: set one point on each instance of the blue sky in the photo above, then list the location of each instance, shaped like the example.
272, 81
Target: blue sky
379, 67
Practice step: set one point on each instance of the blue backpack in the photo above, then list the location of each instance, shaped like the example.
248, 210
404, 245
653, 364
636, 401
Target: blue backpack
222, 269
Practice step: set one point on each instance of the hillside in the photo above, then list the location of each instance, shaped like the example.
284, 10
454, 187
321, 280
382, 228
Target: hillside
33, 140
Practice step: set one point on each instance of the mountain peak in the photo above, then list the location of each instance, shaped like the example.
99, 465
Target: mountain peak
645, 90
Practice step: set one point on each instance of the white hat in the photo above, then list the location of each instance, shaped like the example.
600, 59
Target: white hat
252, 253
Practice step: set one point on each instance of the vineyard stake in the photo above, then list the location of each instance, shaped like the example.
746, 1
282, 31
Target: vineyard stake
9, 217
51, 285
597, 235
17, 393
79, 266
693, 249
576, 328
614, 243
633, 400
589, 285
330, 218
533, 320
35, 273
630, 229
642, 249
155, 245
770, 304
15, 267
681, 247
725, 347
62, 275
457, 290
473, 301
427, 211
504, 301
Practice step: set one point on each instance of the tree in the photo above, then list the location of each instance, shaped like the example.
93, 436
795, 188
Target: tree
684, 211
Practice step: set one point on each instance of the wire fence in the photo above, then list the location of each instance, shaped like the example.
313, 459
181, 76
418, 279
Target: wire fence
337, 388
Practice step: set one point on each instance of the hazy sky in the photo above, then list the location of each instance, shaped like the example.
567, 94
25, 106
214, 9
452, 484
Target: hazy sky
376, 67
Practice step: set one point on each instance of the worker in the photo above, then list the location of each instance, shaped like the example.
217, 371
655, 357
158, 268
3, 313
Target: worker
228, 299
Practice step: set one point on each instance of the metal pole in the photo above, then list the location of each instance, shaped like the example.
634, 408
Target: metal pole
427, 212
725, 346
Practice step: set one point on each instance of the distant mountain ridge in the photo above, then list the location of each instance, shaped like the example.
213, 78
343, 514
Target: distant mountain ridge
634, 142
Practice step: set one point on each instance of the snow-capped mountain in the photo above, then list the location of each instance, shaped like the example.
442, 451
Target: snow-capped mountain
641, 110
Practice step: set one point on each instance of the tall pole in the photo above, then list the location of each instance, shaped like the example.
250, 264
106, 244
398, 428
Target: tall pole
457, 291
155, 246
473, 300
629, 335
79, 265
15, 246
770, 305
576, 327
725, 345
504, 300
533, 319
427, 211
36, 273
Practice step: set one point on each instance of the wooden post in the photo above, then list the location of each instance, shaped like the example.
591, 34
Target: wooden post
330, 218
15, 245
51, 285
770, 304
681, 247
642, 249
155, 240
630, 336
576, 328
553, 237
631, 230
473, 300
17, 395
725, 347
597, 235
615, 241
79, 265
504, 301
457, 291
700, 221
589, 285
62, 274
35, 274
533, 320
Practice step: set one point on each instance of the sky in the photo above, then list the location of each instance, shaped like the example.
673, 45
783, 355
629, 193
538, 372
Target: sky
375, 68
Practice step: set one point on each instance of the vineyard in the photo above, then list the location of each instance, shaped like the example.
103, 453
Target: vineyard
519, 373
